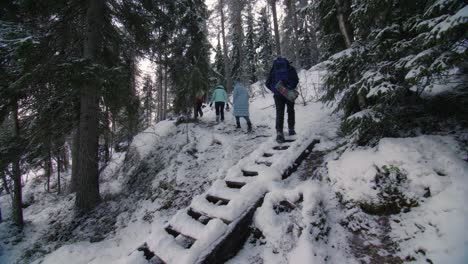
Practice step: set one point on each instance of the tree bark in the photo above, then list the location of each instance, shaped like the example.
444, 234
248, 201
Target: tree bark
87, 193
107, 142
343, 7
291, 5
59, 163
160, 90
275, 25
75, 159
227, 70
16, 169
165, 88
48, 168
65, 161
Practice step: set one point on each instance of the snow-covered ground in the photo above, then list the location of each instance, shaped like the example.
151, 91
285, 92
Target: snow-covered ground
334, 209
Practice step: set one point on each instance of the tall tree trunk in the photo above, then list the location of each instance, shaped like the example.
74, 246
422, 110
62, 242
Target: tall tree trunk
87, 193
48, 168
160, 90
227, 70
59, 164
75, 159
107, 143
65, 161
165, 88
343, 7
4, 181
275, 25
296, 33
17, 209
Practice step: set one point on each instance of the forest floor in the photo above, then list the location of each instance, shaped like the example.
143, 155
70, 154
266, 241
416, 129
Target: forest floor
400, 201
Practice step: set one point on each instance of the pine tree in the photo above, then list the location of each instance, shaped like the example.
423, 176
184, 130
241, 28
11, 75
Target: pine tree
190, 66
404, 53
148, 100
219, 63
250, 51
237, 37
308, 51
265, 44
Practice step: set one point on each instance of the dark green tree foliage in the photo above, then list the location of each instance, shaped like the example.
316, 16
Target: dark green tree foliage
218, 66
148, 103
308, 51
236, 8
42, 62
249, 47
288, 34
407, 53
330, 38
189, 63
265, 44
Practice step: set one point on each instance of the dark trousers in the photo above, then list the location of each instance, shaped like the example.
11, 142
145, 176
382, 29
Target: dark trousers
281, 102
247, 119
198, 109
219, 106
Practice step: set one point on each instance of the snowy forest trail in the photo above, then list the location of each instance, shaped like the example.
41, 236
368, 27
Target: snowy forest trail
198, 233
165, 167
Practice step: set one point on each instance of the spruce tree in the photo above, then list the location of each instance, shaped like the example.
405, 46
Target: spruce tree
250, 50
405, 54
265, 44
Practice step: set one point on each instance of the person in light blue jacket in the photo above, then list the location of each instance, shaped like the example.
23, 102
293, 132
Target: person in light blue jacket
220, 98
241, 105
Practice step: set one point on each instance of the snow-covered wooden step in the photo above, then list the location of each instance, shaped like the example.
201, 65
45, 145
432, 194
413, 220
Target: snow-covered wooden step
219, 189
182, 239
248, 173
264, 162
200, 217
216, 223
216, 200
281, 147
234, 184
183, 223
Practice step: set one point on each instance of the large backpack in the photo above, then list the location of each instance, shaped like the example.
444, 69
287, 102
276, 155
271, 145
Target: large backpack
284, 72
281, 69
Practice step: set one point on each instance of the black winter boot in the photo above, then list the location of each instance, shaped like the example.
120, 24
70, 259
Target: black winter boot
280, 137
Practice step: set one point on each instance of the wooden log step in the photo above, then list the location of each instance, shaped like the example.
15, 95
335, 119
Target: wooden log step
267, 155
234, 185
249, 173
266, 163
291, 169
146, 251
234, 240
183, 240
284, 147
202, 218
216, 200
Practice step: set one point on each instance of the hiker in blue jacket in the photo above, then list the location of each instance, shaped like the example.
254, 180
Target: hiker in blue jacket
282, 71
241, 105
219, 98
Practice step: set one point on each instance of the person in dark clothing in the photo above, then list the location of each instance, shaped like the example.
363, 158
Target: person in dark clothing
198, 106
283, 72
